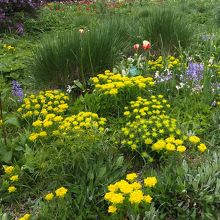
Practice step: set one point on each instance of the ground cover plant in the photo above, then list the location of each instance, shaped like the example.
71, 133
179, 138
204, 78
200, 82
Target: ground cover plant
109, 110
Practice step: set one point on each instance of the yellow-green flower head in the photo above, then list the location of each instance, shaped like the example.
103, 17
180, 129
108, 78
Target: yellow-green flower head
33, 137
124, 186
170, 147
61, 192
181, 148
115, 198
150, 181
14, 178
112, 187
136, 196
49, 197
136, 185
202, 148
8, 169
11, 189
159, 145
25, 217
194, 139
112, 209
131, 176
148, 199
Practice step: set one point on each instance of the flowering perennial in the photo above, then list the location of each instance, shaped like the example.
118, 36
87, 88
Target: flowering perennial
111, 84
58, 125
150, 130
161, 63
129, 193
44, 103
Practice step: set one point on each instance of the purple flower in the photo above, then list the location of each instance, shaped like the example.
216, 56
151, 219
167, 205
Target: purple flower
195, 71
17, 90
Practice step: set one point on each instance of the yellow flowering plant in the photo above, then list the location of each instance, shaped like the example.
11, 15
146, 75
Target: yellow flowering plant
161, 63
57, 126
130, 195
38, 106
152, 132
10, 180
116, 91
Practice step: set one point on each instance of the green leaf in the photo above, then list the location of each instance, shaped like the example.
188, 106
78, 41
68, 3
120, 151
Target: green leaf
12, 121
6, 156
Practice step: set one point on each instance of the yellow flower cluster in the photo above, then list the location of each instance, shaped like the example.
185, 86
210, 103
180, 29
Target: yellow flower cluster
111, 84
25, 217
9, 47
148, 123
169, 144
9, 171
150, 129
83, 120
60, 193
44, 103
129, 191
160, 63
58, 125
196, 141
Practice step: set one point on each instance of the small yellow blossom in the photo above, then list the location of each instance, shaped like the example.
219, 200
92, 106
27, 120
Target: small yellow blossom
112, 209
202, 148
11, 189
194, 139
147, 199
181, 149
8, 169
61, 192
49, 196
14, 178
150, 181
131, 176
25, 217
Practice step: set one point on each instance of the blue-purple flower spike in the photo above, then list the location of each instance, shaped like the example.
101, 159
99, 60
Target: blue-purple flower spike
195, 71
17, 90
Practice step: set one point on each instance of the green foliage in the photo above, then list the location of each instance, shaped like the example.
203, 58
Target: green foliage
166, 28
218, 17
74, 55
86, 165
192, 191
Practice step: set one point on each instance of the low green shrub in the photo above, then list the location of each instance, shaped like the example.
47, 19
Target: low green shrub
190, 190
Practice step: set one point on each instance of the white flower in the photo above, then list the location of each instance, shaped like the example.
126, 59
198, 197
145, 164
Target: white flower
69, 89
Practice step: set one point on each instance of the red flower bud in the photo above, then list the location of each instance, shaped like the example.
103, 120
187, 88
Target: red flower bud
146, 45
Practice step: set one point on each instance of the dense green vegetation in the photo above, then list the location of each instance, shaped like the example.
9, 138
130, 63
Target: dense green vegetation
111, 110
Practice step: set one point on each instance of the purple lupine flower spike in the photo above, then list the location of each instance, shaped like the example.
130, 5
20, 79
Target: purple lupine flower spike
17, 90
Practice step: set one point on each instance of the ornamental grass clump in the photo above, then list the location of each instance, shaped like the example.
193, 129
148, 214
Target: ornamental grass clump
151, 131
167, 28
80, 54
130, 196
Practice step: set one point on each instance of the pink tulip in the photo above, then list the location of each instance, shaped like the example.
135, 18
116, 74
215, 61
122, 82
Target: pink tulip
136, 46
146, 45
